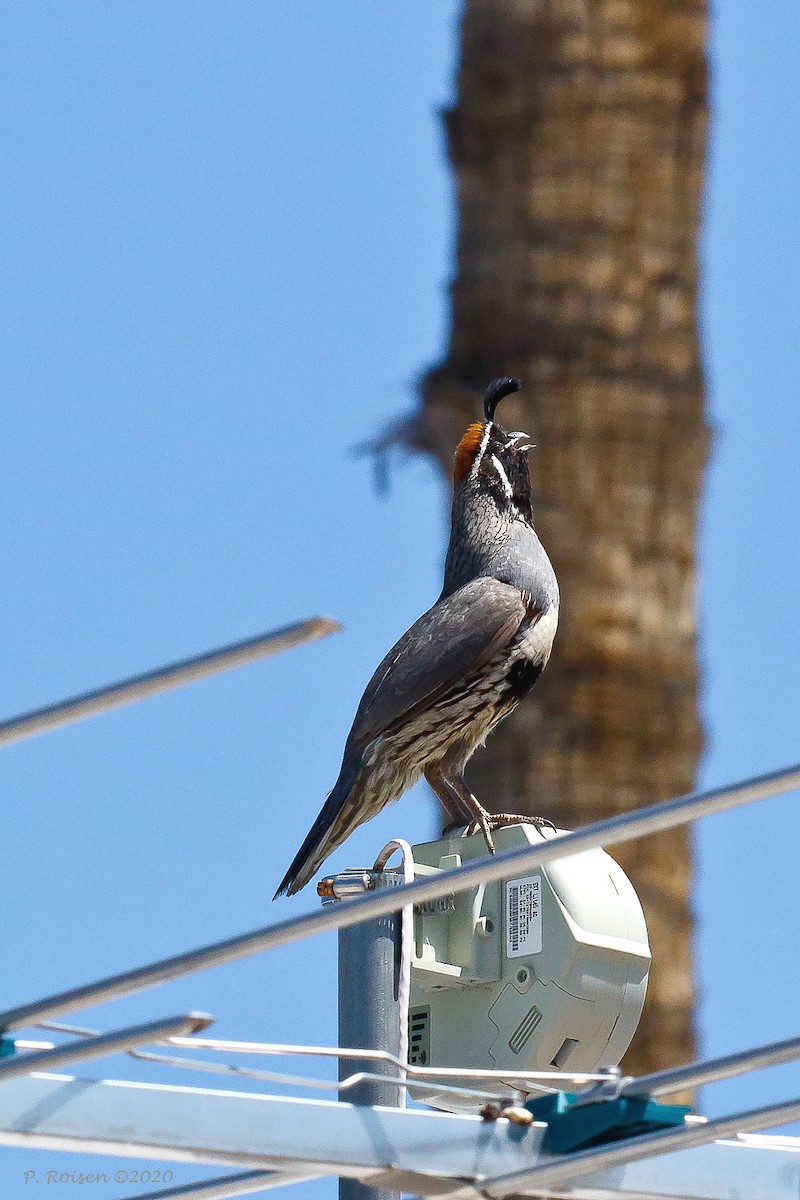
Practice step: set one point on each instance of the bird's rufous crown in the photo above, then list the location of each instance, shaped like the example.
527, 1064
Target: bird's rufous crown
470, 443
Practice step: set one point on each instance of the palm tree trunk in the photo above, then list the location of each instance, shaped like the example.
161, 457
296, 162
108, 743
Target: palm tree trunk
577, 143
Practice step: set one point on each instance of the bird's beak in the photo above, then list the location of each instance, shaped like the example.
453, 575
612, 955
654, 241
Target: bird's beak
522, 438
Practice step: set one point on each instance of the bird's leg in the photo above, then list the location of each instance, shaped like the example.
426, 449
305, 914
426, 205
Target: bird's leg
459, 803
458, 813
460, 795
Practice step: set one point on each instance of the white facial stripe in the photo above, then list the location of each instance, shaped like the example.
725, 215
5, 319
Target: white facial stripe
498, 466
481, 448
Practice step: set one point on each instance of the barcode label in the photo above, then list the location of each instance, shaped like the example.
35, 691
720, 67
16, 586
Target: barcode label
524, 916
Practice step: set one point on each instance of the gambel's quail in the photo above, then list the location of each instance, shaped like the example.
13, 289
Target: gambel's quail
461, 667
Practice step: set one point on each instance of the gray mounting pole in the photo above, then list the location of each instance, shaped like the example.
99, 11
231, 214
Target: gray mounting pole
369, 1014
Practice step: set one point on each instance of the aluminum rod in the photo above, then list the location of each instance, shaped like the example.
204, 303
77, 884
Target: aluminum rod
217, 1068
622, 828
547, 1081
226, 1046
103, 1044
356, 1080
553, 1080
693, 1075
139, 687
404, 1078
244, 1183
567, 1167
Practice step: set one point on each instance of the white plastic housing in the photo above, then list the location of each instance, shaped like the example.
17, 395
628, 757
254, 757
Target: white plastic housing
546, 971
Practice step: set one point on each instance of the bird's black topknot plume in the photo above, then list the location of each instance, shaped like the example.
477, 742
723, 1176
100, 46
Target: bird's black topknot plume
496, 391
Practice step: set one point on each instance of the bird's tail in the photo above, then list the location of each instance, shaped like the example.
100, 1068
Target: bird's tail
336, 821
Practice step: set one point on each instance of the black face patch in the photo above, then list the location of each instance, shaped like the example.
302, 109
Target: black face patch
515, 467
523, 676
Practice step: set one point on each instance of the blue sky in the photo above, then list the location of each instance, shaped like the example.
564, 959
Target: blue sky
226, 234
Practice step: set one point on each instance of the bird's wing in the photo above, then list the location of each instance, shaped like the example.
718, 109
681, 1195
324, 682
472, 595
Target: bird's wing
445, 646
443, 649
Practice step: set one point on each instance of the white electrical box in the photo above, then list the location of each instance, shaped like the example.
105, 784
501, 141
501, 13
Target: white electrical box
544, 971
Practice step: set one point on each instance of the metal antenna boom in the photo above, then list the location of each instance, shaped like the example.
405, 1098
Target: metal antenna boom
188, 670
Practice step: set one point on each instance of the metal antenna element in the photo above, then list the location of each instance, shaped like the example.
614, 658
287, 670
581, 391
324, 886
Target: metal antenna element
103, 1044
188, 670
545, 1081
693, 1075
609, 832
596, 1085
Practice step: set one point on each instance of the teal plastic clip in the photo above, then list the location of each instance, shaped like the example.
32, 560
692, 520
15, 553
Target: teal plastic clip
7, 1046
572, 1126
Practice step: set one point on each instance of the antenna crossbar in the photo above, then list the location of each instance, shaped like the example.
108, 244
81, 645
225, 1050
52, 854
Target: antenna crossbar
428, 1153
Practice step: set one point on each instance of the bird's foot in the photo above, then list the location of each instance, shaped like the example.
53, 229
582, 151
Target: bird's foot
502, 819
483, 824
487, 821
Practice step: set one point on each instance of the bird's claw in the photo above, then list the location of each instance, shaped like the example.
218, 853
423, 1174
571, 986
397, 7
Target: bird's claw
488, 821
502, 819
483, 824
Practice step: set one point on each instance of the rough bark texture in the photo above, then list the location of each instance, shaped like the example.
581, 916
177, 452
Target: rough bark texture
578, 143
